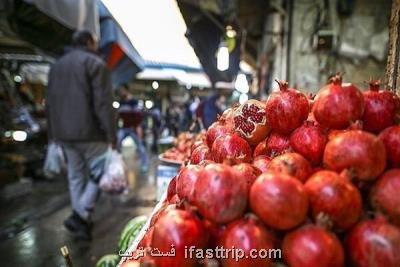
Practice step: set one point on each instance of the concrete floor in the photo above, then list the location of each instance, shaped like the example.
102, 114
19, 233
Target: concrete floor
32, 232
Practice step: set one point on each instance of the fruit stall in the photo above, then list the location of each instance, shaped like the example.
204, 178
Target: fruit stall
315, 180
292, 180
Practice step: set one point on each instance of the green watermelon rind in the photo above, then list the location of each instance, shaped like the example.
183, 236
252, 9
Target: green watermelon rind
109, 260
130, 232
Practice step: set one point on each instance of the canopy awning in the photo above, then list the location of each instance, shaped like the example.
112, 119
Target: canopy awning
49, 25
75, 14
195, 79
121, 56
157, 30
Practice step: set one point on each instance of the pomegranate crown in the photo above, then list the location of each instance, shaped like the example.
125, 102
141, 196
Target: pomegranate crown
373, 84
336, 79
356, 125
283, 85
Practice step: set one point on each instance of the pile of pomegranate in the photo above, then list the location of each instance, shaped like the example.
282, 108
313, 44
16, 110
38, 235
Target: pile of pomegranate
318, 179
183, 145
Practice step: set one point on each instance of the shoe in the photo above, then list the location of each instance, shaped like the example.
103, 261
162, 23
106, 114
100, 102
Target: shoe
78, 226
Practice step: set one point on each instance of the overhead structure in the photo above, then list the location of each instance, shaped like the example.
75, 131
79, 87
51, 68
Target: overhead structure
121, 56
235, 25
48, 25
157, 30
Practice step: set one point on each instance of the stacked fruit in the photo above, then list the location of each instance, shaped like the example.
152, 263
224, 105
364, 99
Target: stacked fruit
317, 178
183, 146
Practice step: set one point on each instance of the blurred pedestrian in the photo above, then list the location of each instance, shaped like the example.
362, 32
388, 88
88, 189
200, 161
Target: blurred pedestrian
212, 106
157, 121
132, 119
81, 118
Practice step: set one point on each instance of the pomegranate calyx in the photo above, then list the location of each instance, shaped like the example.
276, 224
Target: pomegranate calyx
323, 220
374, 85
356, 125
310, 123
283, 85
337, 79
251, 217
348, 174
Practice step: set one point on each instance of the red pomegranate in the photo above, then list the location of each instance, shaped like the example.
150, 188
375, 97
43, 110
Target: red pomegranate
362, 153
231, 149
287, 109
248, 234
200, 154
374, 243
260, 149
391, 138
385, 195
178, 228
171, 192
380, 108
165, 208
174, 199
338, 104
217, 129
196, 144
312, 246
357, 125
215, 232
276, 144
228, 114
186, 180
279, 200
292, 164
247, 172
334, 198
146, 240
220, 193
262, 162
309, 140
250, 121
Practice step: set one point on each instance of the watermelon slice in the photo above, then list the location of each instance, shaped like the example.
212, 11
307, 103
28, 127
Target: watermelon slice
130, 232
110, 260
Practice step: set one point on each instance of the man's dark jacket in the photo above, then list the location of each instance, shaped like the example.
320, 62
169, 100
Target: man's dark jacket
79, 99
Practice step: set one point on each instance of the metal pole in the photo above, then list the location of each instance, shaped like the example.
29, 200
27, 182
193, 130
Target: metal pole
67, 258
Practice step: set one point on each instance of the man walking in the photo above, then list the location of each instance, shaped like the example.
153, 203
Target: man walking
82, 120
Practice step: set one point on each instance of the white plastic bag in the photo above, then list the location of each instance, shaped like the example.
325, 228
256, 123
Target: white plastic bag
54, 164
114, 180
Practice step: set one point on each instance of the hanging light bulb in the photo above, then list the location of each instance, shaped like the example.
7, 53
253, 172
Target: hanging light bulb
155, 85
223, 57
241, 83
148, 104
230, 32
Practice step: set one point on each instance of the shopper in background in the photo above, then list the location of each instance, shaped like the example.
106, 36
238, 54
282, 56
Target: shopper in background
193, 106
172, 119
132, 117
185, 118
212, 106
82, 120
157, 121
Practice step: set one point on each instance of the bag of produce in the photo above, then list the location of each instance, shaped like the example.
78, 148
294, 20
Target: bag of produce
54, 164
114, 179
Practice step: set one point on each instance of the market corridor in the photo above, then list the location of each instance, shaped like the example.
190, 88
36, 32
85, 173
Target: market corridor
32, 231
